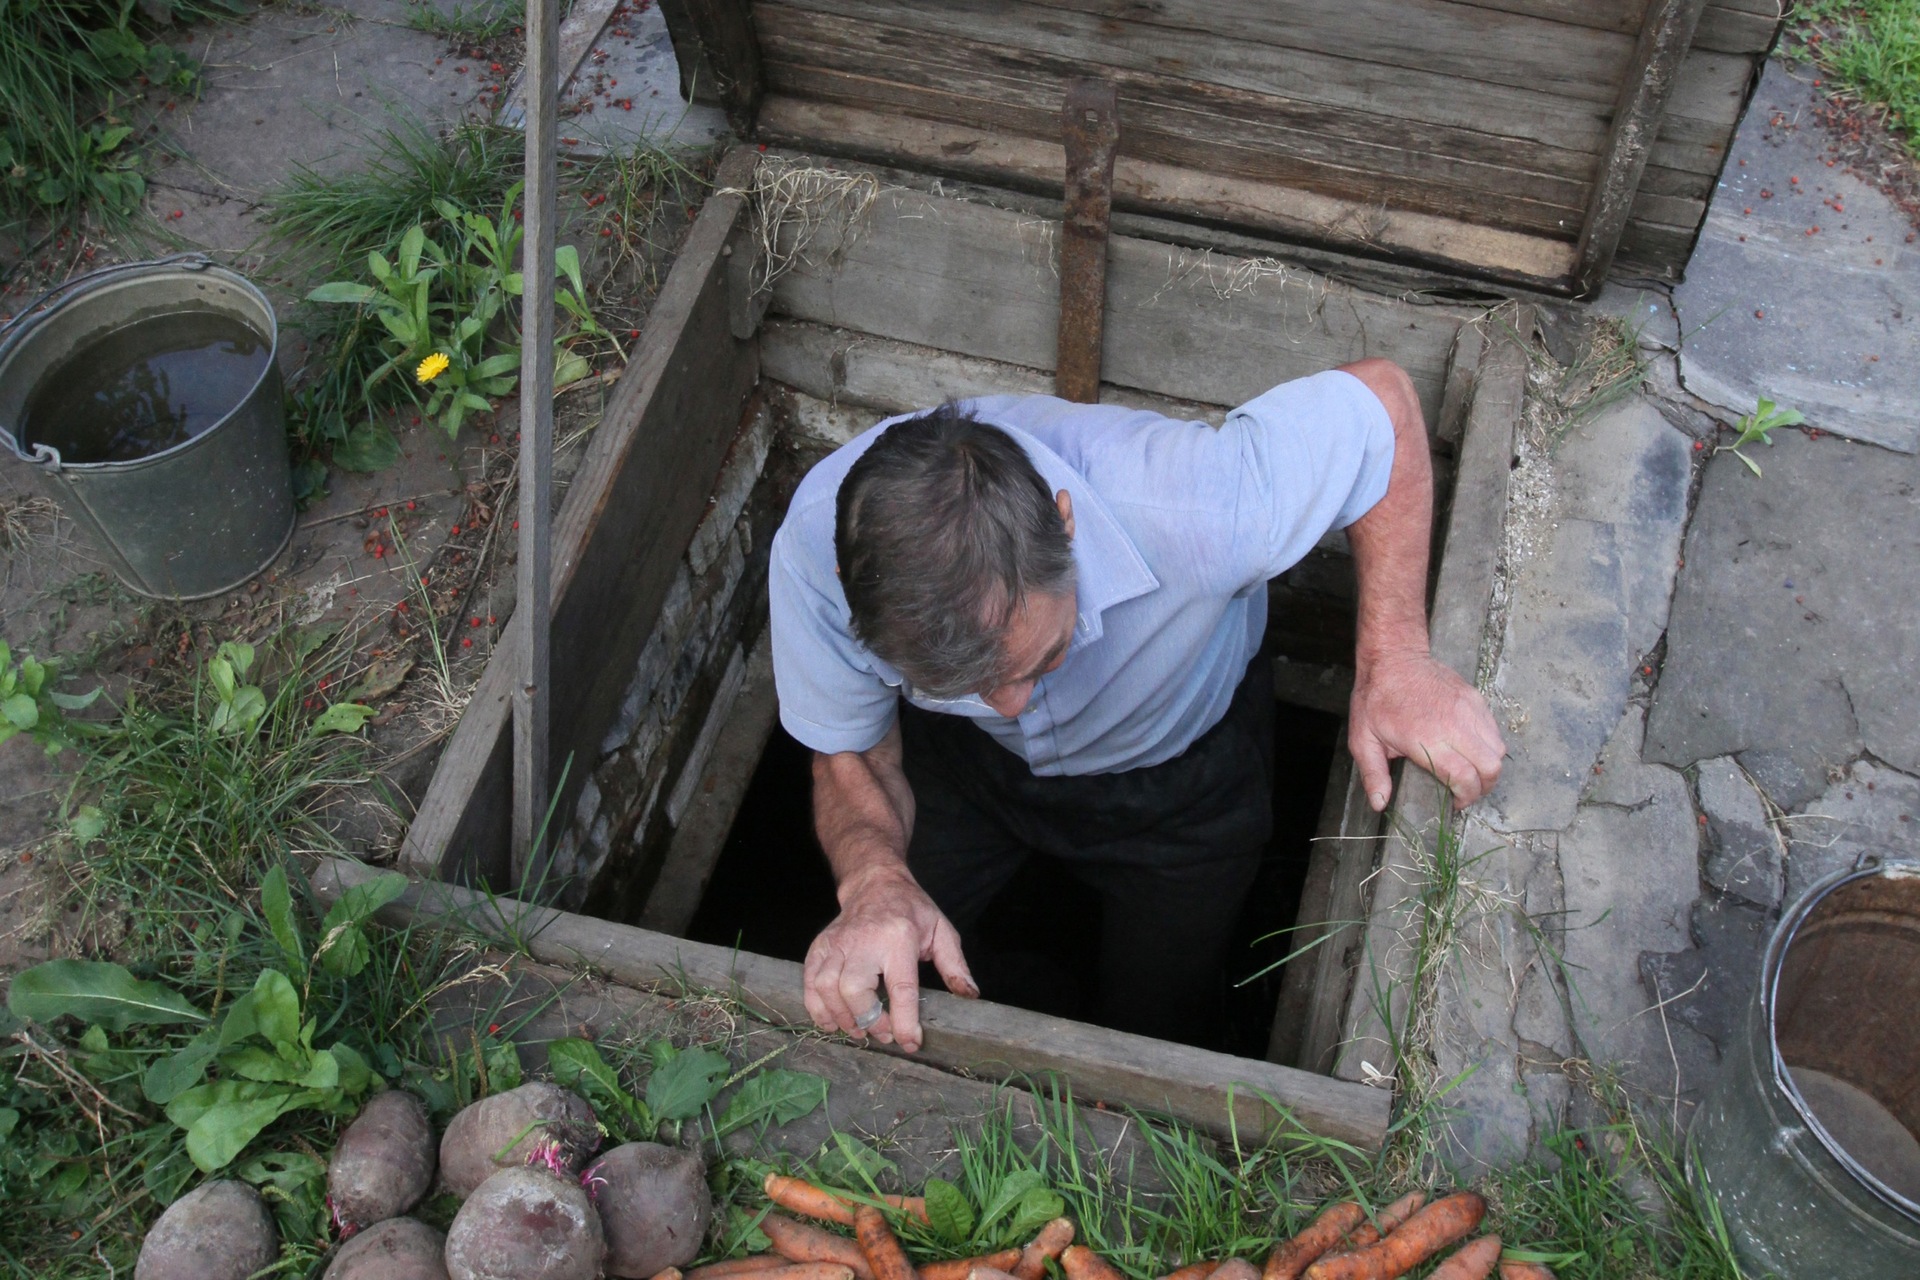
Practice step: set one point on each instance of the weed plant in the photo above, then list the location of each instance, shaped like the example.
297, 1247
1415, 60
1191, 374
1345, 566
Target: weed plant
477, 23
1872, 48
67, 68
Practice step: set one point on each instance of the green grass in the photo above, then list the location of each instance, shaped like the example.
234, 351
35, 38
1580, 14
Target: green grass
1872, 48
68, 69
484, 20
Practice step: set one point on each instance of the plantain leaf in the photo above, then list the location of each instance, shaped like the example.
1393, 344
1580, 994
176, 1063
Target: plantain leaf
948, 1212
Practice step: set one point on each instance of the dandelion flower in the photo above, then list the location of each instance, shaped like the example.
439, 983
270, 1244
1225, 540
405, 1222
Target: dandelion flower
432, 367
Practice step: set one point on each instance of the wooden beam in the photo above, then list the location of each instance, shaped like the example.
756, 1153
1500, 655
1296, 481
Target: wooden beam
1090, 130
533, 548
622, 529
729, 46
1213, 1091
1469, 563
1666, 33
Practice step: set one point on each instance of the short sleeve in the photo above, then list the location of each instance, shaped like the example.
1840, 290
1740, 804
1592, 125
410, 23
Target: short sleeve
1315, 454
830, 697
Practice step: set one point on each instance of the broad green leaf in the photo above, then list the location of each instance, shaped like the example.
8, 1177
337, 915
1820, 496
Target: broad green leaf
410, 246
342, 717
343, 291
566, 262
276, 903
849, 1161
493, 366
97, 992
1035, 1209
75, 701
33, 675
568, 368
87, 824
276, 1009
681, 1087
9, 1121
323, 1071
21, 711
251, 1062
948, 1212
774, 1097
343, 949
1008, 1194
167, 1078
368, 447
286, 1170
223, 1132
238, 653
577, 1064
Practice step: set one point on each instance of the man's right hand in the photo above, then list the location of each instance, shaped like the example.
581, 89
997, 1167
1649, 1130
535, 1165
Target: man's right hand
887, 925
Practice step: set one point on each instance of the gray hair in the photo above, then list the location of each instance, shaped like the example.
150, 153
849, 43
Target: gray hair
942, 529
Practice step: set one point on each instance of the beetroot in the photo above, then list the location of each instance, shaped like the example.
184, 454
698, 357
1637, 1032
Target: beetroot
536, 1122
397, 1249
384, 1162
218, 1231
525, 1224
654, 1205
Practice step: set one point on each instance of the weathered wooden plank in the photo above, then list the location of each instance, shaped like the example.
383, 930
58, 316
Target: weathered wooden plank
697, 79
1212, 1091
1180, 141
623, 525
842, 366
1661, 181
1657, 59
1732, 30
724, 29
1710, 88
977, 280
1471, 43
1165, 190
1673, 211
1338, 81
1468, 564
1663, 250
1727, 27
702, 830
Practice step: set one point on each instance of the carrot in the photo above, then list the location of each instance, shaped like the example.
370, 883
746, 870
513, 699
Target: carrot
807, 1271
807, 1200
1194, 1271
961, 1268
1389, 1218
987, 1273
1322, 1234
737, 1267
1513, 1270
1052, 1239
800, 1242
884, 1254
1425, 1234
914, 1205
1470, 1261
1082, 1263
1237, 1269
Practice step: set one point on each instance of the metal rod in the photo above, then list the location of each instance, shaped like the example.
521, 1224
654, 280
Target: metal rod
534, 599
1090, 130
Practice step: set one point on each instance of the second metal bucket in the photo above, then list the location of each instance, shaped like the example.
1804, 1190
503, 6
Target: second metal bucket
1810, 1139
193, 520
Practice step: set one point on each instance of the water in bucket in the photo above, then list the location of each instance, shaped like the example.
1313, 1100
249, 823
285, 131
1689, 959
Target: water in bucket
146, 387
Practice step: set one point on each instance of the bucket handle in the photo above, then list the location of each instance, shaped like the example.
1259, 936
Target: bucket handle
31, 314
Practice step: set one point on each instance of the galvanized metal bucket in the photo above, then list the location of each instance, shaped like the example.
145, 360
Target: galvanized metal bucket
193, 520
1810, 1138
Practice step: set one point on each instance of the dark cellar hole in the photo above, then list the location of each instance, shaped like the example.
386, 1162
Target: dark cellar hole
1038, 943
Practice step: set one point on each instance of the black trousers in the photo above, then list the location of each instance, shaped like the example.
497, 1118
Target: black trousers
1171, 849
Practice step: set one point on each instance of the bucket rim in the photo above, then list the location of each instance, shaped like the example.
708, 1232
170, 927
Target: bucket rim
46, 457
1783, 939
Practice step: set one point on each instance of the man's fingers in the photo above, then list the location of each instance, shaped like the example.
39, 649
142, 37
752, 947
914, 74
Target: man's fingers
903, 1001
951, 963
1453, 768
1371, 758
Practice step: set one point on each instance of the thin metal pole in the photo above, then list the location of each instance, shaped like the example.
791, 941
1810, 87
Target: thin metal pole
533, 599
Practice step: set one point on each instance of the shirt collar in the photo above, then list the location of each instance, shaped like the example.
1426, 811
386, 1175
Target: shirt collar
1108, 568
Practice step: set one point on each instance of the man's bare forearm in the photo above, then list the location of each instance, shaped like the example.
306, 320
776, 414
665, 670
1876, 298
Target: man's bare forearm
1390, 543
863, 811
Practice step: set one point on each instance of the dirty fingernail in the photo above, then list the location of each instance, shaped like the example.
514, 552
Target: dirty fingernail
1378, 799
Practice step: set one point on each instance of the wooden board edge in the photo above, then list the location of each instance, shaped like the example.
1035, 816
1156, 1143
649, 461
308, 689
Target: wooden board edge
432, 843
1212, 1091
1485, 253
1469, 565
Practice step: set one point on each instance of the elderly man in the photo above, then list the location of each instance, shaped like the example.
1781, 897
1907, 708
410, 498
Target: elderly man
1017, 625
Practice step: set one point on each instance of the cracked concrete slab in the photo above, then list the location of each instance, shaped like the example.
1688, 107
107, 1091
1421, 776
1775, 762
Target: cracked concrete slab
1631, 875
1745, 856
1870, 812
1805, 284
1588, 606
1793, 642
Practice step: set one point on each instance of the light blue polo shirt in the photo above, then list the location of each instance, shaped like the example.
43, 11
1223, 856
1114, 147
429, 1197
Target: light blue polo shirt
1177, 528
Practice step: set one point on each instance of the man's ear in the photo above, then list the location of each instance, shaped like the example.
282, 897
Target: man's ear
1064, 501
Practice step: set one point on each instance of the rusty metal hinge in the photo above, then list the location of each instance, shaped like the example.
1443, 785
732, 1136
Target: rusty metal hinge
1090, 128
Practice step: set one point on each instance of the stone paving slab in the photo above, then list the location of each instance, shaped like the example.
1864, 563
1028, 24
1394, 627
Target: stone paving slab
1871, 811
1821, 320
1794, 640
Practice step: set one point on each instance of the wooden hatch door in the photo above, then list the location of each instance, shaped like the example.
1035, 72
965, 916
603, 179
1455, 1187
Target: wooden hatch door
1522, 143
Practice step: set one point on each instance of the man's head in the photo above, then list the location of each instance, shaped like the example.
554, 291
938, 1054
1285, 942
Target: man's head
956, 560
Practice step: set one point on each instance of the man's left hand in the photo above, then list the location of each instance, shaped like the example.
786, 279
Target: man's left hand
1408, 705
